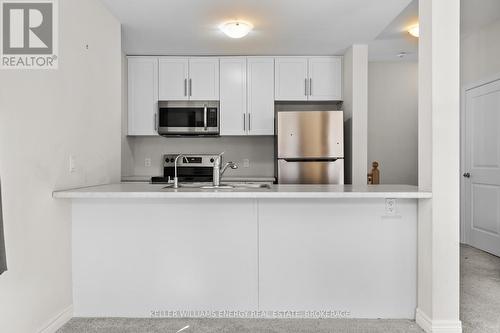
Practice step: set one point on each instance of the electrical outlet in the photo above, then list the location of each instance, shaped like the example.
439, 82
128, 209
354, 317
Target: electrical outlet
390, 207
72, 164
246, 163
147, 162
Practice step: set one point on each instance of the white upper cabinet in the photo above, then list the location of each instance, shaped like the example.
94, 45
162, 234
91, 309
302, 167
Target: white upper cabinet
188, 78
325, 78
142, 95
173, 79
204, 79
291, 79
260, 71
308, 78
233, 95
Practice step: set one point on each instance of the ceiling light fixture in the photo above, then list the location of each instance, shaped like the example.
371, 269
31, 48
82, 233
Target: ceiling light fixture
414, 30
236, 29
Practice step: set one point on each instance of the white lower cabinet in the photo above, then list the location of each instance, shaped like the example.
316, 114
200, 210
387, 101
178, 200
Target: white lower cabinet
247, 95
142, 95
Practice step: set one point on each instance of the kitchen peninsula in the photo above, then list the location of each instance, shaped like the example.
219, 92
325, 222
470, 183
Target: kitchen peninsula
140, 248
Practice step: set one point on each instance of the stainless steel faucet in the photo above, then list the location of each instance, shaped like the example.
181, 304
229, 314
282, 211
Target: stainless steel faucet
217, 172
176, 179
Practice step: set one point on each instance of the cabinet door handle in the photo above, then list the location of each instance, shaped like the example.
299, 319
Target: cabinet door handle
155, 122
249, 126
205, 116
190, 87
185, 86
310, 87
244, 122
305, 86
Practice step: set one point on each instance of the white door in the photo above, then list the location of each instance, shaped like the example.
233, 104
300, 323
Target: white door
260, 96
204, 79
325, 78
291, 79
142, 95
233, 95
482, 167
173, 78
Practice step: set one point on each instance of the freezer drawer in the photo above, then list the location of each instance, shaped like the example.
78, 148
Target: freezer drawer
311, 172
310, 134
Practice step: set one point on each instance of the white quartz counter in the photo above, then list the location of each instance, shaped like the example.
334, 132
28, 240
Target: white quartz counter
158, 191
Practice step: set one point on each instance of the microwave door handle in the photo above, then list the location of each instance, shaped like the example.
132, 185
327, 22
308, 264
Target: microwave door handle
205, 116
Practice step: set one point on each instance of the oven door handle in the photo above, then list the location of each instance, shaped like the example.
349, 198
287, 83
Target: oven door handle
205, 116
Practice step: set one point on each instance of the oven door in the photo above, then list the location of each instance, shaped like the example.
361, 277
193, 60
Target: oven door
188, 120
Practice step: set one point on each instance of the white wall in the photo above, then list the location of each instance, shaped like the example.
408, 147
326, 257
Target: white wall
355, 94
480, 53
45, 116
393, 121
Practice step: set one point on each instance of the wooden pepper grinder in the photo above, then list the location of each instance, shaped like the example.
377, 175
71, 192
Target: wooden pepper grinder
375, 173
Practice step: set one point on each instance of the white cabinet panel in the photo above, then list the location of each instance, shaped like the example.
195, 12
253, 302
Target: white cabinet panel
204, 79
134, 257
333, 255
291, 79
173, 79
260, 95
142, 95
233, 95
325, 78
308, 78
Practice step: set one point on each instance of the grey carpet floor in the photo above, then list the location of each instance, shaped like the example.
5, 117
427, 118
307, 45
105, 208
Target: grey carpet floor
115, 325
479, 291
479, 311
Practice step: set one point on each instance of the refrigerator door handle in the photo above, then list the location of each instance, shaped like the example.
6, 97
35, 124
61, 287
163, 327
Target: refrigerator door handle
325, 159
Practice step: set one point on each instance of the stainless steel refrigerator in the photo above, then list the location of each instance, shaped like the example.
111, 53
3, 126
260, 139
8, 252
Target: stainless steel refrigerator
310, 147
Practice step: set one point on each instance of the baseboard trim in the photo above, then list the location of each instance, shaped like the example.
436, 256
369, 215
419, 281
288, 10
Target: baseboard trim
437, 326
58, 321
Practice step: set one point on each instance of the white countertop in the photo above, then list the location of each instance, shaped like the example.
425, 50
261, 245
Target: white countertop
158, 191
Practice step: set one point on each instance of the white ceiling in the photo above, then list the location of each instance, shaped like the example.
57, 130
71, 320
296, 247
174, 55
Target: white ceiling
475, 14
287, 27
395, 39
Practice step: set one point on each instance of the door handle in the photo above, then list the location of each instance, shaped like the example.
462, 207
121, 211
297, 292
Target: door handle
156, 122
310, 87
190, 87
249, 126
305, 86
467, 175
244, 122
185, 86
205, 116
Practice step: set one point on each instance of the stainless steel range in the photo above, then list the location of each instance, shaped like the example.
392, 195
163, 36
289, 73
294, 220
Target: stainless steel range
190, 169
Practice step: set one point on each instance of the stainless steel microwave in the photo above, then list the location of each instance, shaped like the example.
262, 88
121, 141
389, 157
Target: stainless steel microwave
188, 118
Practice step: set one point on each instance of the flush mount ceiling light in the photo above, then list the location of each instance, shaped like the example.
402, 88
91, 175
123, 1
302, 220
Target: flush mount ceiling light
236, 29
414, 30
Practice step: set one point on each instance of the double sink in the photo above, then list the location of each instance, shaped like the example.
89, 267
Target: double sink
223, 186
